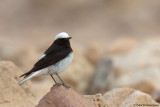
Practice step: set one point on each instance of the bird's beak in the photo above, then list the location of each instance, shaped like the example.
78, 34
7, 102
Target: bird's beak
69, 37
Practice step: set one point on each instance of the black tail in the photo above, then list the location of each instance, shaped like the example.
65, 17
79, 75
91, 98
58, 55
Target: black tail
25, 74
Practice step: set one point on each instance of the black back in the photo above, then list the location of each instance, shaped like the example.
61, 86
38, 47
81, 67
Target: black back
59, 49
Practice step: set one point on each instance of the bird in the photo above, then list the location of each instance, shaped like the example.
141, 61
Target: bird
54, 60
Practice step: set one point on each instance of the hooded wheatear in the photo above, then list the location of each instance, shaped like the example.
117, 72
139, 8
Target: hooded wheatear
54, 60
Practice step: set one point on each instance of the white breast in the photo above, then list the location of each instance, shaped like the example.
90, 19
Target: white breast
62, 65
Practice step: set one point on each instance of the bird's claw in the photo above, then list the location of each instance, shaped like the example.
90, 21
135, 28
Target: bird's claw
57, 84
66, 86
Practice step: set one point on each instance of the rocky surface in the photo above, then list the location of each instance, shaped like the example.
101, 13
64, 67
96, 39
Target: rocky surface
63, 97
119, 97
126, 97
11, 94
122, 97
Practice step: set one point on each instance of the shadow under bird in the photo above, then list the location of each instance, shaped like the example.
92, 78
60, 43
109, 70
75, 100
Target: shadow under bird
54, 60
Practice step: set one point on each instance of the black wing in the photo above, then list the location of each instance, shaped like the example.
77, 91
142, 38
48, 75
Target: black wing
54, 54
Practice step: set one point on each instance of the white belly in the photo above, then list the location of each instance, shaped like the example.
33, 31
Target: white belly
60, 66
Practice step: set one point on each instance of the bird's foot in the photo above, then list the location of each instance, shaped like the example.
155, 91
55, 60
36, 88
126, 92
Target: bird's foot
66, 85
57, 84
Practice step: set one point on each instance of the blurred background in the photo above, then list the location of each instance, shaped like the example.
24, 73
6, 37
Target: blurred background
116, 42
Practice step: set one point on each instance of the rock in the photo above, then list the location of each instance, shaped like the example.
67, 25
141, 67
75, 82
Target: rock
99, 81
63, 97
126, 97
11, 94
119, 97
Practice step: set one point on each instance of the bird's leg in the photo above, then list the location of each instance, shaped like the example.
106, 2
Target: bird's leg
56, 84
63, 82
53, 78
